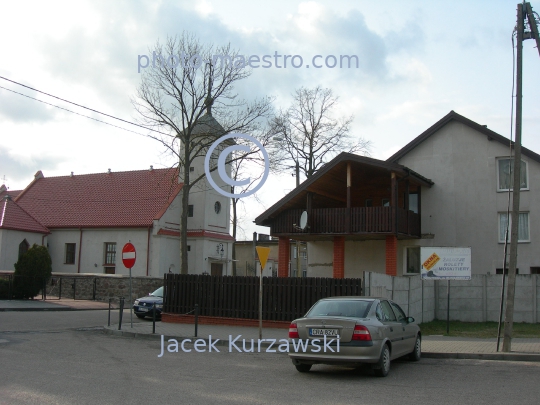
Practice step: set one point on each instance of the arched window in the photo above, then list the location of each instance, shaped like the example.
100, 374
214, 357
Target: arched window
23, 247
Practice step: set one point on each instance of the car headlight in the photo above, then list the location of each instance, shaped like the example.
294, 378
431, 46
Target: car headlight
136, 302
159, 306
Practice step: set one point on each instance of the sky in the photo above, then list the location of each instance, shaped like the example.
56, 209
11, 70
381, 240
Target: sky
418, 61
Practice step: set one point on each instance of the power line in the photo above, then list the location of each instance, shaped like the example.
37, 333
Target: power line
79, 105
73, 112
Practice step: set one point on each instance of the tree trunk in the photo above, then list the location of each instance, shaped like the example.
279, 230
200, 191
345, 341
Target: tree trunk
184, 213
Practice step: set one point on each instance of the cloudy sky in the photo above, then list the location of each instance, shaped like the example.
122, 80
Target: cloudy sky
418, 61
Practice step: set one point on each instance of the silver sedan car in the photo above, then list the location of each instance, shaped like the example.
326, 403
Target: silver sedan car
353, 331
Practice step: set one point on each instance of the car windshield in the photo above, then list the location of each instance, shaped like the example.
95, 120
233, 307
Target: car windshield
158, 292
345, 308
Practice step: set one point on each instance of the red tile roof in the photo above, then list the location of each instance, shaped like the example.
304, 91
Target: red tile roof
101, 200
14, 217
12, 193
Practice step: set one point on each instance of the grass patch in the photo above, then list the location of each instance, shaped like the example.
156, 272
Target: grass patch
479, 329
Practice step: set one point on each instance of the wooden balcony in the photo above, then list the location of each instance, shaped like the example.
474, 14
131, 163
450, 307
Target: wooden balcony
367, 221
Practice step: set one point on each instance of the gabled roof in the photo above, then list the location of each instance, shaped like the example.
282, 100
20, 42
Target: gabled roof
326, 171
101, 200
12, 216
12, 193
452, 115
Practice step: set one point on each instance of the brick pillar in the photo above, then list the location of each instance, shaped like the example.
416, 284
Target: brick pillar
339, 257
391, 255
284, 254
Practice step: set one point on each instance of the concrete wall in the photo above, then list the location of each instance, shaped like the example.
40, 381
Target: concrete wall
462, 207
92, 249
475, 300
321, 259
81, 286
9, 246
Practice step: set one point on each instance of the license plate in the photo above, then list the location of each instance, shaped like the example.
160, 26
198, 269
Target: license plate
141, 309
323, 332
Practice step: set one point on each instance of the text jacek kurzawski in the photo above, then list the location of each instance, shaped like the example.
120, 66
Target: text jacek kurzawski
240, 345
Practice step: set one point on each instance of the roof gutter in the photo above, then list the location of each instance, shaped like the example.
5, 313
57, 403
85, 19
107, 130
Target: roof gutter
148, 250
80, 249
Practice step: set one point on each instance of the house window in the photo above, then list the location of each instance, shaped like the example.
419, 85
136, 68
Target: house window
369, 202
535, 270
413, 202
110, 253
190, 211
69, 258
500, 271
23, 248
189, 248
413, 260
385, 202
505, 177
217, 207
523, 227
191, 169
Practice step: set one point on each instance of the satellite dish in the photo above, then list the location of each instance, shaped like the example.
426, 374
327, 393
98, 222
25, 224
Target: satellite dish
303, 220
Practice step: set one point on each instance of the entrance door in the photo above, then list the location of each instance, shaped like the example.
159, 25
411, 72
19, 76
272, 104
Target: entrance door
216, 269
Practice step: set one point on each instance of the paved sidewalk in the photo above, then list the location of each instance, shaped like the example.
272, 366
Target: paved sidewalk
64, 304
432, 346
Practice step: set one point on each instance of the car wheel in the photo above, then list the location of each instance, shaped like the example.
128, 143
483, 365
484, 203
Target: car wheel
140, 316
417, 351
383, 365
303, 368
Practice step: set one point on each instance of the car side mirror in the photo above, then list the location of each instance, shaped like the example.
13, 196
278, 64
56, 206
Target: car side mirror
410, 319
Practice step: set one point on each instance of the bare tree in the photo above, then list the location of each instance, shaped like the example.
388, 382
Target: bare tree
188, 95
308, 135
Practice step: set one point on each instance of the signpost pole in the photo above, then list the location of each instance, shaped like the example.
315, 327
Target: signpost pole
447, 307
129, 255
263, 253
260, 303
130, 299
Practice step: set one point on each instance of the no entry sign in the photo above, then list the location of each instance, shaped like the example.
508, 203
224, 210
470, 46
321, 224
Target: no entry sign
128, 255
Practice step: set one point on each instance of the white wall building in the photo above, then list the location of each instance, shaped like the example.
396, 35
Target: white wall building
85, 221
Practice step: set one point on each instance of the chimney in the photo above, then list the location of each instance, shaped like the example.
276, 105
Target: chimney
151, 167
109, 171
71, 175
39, 175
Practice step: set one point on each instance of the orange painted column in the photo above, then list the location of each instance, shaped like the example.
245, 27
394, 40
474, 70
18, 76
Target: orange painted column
391, 255
339, 257
284, 254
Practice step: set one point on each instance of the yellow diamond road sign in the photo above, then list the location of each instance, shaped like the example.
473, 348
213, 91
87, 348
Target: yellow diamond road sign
263, 253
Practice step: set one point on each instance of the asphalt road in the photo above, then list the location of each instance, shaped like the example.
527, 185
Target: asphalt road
58, 358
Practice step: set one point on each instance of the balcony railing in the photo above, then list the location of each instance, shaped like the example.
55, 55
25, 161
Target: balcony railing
356, 220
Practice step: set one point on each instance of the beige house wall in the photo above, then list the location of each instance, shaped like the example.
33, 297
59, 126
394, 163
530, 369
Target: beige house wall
460, 209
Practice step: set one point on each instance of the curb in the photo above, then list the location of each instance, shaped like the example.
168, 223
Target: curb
51, 309
157, 336
530, 357
527, 357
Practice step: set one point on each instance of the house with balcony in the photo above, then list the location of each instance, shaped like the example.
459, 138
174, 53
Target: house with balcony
448, 187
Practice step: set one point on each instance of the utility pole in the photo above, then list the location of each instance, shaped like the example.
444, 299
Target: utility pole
524, 11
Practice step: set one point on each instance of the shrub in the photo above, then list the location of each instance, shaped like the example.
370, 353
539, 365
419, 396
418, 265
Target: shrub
4, 289
32, 272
